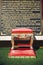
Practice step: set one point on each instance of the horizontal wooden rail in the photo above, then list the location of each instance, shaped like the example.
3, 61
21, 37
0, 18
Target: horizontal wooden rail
8, 38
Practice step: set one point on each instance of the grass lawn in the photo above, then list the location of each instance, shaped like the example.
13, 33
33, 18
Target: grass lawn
4, 60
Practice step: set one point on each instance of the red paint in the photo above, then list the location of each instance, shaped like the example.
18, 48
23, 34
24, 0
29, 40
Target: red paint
22, 53
22, 30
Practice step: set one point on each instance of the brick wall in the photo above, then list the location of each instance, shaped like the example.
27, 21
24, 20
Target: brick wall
19, 13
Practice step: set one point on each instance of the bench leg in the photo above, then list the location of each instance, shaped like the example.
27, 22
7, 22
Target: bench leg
12, 42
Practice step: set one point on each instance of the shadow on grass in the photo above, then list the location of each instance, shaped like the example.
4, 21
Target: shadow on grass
36, 45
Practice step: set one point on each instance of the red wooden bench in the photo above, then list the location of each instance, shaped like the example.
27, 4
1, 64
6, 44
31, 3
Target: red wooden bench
24, 51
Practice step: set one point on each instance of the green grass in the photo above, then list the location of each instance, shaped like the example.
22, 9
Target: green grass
4, 60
